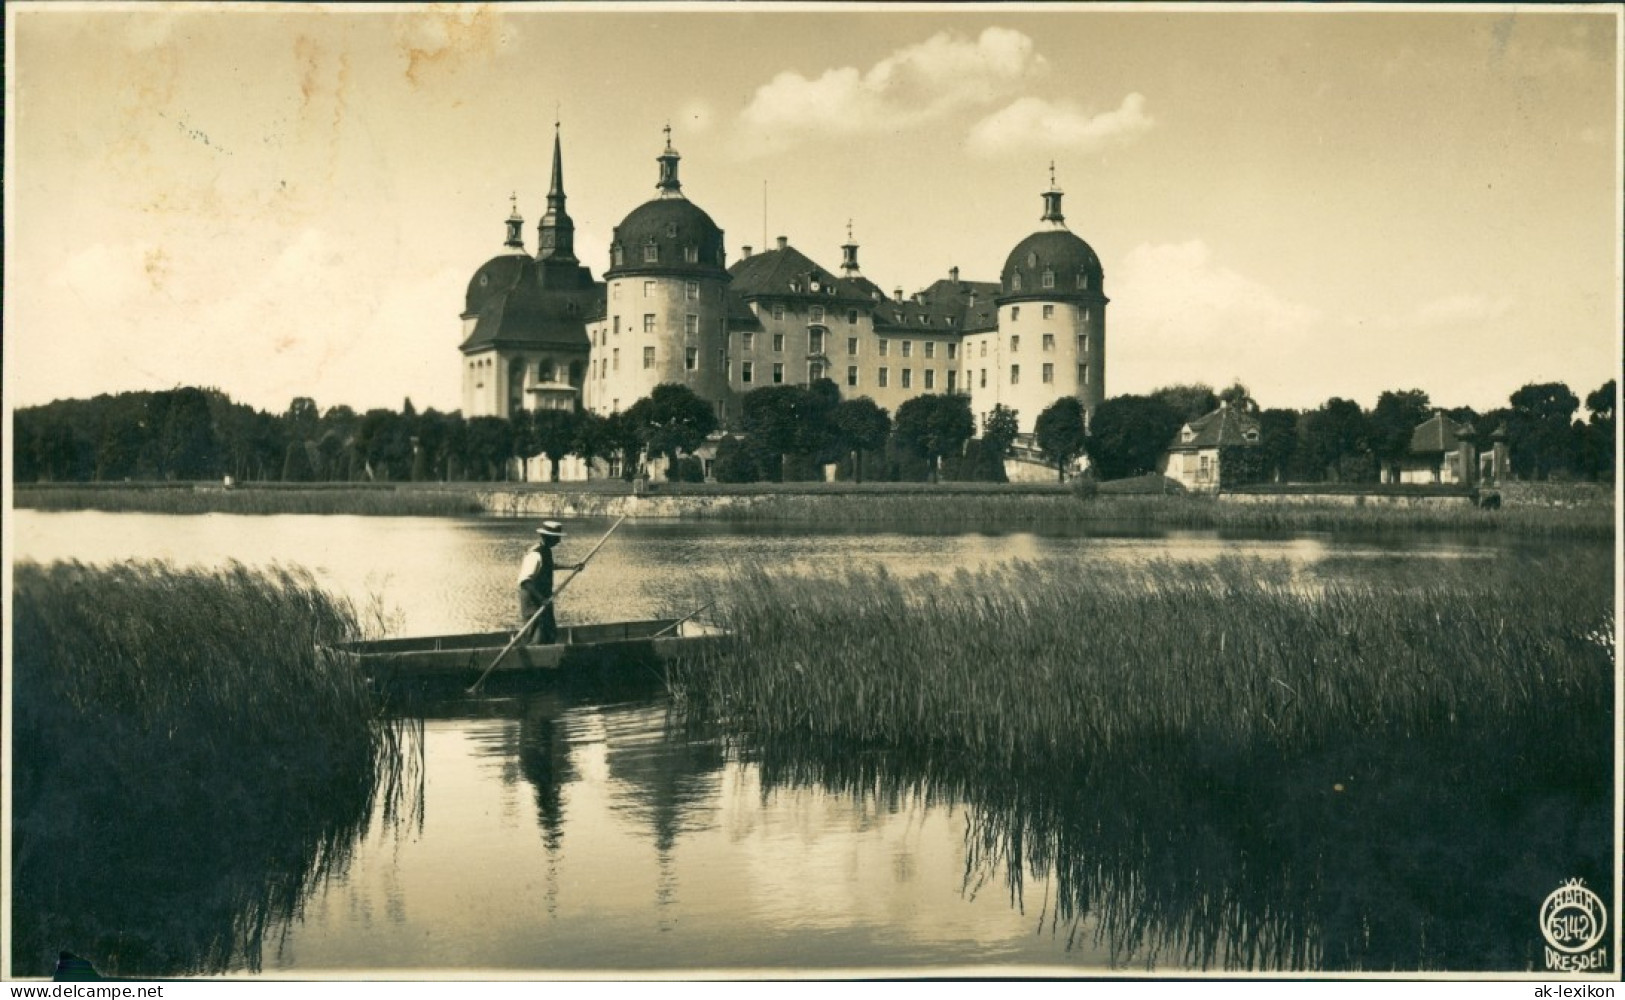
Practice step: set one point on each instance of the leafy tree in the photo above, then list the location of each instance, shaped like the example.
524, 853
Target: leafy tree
862, 426
999, 428
673, 419
1239, 398
735, 462
772, 418
296, 464
1060, 433
625, 437
1597, 442
1129, 434
1335, 436
1277, 443
1188, 401
301, 418
1391, 424
183, 438
488, 444
932, 426
591, 440
1540, 429
555, 435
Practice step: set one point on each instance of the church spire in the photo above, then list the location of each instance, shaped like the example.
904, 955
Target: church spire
1052, 202
556, 231
849, 255
670, 186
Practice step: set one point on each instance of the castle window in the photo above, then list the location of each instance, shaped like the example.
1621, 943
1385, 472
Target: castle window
908, 378
691, 358
984, 378
984, 347
1083, 281
691, 325
649, 357
1086, 312
1015, 312
952, 372
648, 289
883, 378
908, 348
885, 346
615, 290
778, 373
851, 345
617, 322
651, 253
615, 359
1049, 341
648, 322
1032, 258
1015, 342
691, 254
1048, 280
1015, 282
852, 375
778, 343
746, 371
1083, 343
1083, 374
930, 379
815, 314
1049, 373
747, 340
691, 291
815, 371
1015, 374
930, 348
815, 342
972, 300
1049, 312
616, 258
851, 315
778, 310
953, 350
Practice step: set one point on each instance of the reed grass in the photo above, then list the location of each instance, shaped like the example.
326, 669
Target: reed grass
1062, 655
187, 767
1240, 765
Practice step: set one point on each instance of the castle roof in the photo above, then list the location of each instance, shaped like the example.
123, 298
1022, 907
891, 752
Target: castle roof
1223, 427
1438, 434
520, 302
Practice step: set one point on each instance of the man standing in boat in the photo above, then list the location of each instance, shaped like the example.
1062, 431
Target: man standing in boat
536, 582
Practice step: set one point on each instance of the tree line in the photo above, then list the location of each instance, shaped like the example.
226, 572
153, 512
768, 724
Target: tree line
783, 433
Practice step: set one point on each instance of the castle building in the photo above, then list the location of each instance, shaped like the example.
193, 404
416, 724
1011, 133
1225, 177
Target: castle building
539, 332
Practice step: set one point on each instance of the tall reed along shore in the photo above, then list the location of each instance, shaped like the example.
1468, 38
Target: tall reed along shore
186, 767
1236, 765
1540, 510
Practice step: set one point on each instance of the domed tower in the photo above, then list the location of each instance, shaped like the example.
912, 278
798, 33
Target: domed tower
1051, 337
665, 309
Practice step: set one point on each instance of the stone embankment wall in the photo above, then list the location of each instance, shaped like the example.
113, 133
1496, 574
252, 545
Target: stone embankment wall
1556, 494
537, 503
1347, 499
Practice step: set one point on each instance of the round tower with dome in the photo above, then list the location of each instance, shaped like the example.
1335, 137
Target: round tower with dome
1050, 339
665, 310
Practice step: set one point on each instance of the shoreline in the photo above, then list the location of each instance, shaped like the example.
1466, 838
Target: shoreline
1576, 510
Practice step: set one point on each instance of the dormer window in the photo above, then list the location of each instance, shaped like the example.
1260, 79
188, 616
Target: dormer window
1186, 435
1083, 281
616, 256
1032, 259
1015, 282
1251, 435
651, 253
1049, 278
691, 254
671, 230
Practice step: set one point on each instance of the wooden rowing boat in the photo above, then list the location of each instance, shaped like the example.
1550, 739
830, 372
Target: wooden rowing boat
611, 646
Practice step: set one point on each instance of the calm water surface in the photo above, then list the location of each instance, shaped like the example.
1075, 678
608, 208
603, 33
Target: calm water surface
570, 832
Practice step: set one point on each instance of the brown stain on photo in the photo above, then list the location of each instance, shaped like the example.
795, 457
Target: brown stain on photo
471, 34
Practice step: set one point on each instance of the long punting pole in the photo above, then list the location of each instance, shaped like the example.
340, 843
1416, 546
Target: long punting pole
525, 629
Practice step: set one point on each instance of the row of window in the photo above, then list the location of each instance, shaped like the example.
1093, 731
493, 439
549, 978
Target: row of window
815, 370
1048, 312
691, 290
1045, 280
1046, 341
651, 254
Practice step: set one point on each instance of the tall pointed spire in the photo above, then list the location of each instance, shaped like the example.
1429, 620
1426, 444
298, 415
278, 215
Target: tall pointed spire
556, 231
1052, 202
670, 186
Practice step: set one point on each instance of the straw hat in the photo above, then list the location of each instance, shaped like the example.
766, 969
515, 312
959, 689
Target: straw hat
551, 529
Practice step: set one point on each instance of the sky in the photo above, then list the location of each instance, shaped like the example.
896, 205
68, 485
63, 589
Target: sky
1319, 202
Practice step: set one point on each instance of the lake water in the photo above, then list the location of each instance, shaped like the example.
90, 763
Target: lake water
574, 832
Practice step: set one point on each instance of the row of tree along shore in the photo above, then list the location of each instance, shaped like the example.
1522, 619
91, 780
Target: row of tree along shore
785, 433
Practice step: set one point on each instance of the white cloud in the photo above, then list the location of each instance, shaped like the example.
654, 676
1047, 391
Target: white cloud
1178, 315
1449, 311
1032, 122
916, 84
